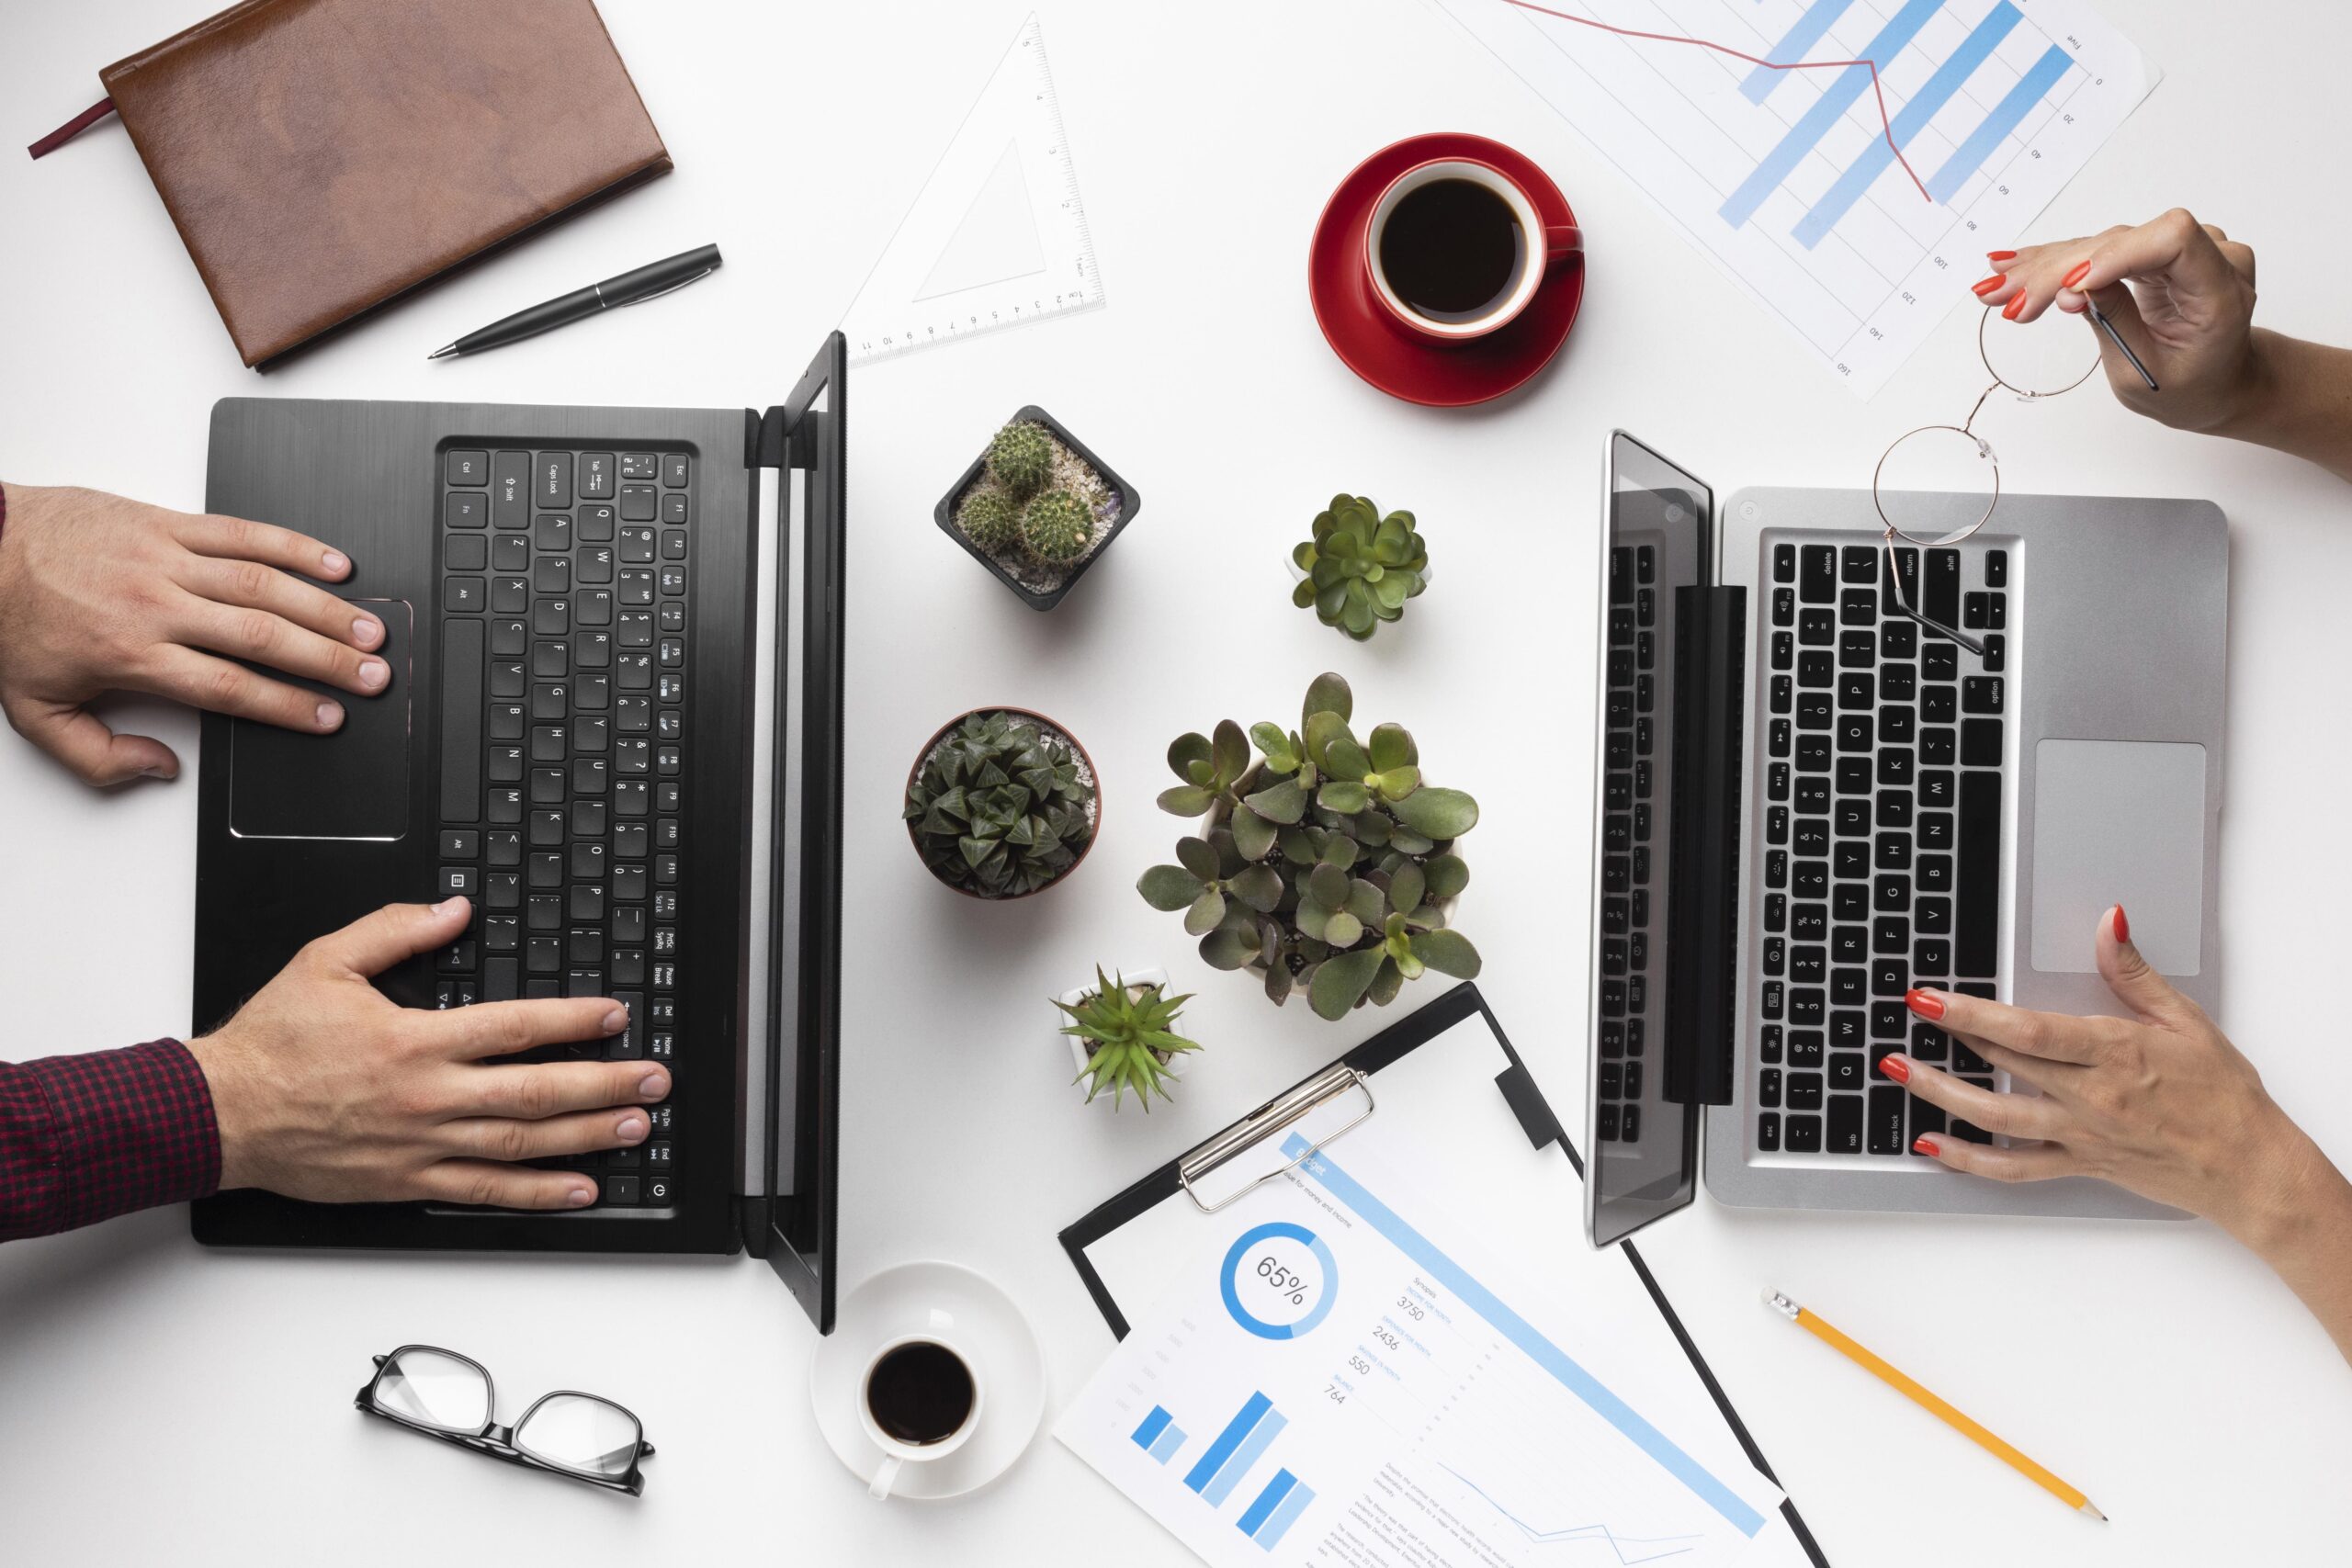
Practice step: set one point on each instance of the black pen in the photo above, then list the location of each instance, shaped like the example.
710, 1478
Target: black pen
628, 288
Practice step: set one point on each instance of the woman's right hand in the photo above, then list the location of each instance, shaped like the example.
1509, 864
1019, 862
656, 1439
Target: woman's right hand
2188, 314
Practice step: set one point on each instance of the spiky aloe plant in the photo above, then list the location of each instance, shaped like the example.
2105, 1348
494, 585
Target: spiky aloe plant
990, 519
998, 808
1021, 456
1326, 862
1058, 526
1360, 567
1124, 1036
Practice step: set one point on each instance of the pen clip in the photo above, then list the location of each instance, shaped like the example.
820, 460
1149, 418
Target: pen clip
672, 288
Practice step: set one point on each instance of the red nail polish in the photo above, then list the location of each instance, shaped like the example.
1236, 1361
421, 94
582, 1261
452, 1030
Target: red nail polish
1989, 285
2013, 307
2122, 926
2000, 255
1929, 1005
2077, 276
1924, 1146
1896, 1067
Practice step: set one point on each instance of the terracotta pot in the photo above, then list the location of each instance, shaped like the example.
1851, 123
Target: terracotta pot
1086, 767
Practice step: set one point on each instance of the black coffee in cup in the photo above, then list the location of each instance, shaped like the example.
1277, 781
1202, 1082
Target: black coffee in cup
1453, 250
921, 1392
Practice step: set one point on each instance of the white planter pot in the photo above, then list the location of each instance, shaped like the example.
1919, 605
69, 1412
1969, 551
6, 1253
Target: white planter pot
1078, 1052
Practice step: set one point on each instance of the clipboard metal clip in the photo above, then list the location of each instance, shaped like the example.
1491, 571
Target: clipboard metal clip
1285, 1109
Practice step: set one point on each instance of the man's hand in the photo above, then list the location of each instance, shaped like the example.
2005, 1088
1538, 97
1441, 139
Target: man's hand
99, 593
324, 1089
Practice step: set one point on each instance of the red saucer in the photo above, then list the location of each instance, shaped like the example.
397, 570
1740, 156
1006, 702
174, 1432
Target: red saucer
1369, 340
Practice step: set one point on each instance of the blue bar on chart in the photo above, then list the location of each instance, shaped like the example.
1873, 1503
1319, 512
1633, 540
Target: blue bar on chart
2006, 116
1159, 1436
1941, 89
1236, 1466
1245, 1423
1268, 1519
1828, 110
1793, 46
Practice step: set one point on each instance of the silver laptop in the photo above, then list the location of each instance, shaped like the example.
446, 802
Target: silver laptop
1820, 783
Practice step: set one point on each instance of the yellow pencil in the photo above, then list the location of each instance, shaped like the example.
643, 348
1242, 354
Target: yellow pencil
1896, 1378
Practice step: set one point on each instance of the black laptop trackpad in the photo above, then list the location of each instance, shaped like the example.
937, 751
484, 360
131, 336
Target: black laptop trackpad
350, 784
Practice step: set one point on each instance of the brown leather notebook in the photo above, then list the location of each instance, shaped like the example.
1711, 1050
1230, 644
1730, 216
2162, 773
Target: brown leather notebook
321, 156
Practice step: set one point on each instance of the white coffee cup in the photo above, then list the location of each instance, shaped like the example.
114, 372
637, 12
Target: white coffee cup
896, 1452
1541, 246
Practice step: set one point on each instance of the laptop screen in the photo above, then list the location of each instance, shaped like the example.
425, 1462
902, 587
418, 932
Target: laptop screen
1642, 1149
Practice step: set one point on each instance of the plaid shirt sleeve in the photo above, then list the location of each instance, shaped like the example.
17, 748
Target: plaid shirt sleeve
86, 1138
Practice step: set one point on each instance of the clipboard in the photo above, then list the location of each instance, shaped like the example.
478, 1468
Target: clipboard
1128, 1247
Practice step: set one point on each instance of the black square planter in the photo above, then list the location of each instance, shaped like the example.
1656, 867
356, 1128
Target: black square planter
1129, 503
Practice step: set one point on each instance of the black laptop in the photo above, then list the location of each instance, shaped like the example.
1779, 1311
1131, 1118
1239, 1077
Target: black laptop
571, 601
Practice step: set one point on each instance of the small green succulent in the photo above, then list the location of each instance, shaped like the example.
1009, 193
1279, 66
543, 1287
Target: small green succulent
1058, 526
998, 808
1124, 1036
1360, 567
1326, 863
1021, 456
991, 520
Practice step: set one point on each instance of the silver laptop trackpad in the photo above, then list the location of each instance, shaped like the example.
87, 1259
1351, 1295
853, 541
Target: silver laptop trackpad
2119, 822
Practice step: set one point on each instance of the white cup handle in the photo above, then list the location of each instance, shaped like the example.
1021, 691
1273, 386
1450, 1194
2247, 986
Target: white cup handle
885, 1477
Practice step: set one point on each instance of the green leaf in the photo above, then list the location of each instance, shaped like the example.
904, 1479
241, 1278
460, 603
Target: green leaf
1342, 929
1167, 887
1298, 848
1408, 842
1366, 902
1322, 729
1284, 802
1199, 857
1327, 693
1343, 795
977, 849
1302, 593
1390, 592
1386, 983
1448, 876
1278, 983
1252, 834
1338, 850
1346, 760
1225, 948
1206, 913
1313, 919
1398, 783
1261, 887
1356, 620
1329, 884
1438, 813
1372, 828
1232, 750
1184, 752
1448, 953
1392, 747
1270, 740
1406, 887
1340, 982
1185, 800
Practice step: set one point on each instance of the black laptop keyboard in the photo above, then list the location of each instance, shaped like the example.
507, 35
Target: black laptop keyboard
564, 610
1883, 836
1628, 789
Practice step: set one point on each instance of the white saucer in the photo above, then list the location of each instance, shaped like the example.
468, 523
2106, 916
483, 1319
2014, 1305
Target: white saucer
898, 1301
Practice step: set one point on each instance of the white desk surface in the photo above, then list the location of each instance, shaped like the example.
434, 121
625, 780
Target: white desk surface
160, 1403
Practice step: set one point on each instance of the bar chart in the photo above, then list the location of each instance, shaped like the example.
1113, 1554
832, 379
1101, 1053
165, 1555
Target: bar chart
1846, 162
1159, 1436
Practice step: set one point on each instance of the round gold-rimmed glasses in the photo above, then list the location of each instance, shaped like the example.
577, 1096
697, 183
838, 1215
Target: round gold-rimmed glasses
2028, 387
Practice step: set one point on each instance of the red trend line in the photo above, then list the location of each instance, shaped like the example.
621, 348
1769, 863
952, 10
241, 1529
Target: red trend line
1767, 64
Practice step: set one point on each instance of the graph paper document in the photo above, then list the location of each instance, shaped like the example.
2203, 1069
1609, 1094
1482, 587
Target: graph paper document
1337, 1380
1847, 162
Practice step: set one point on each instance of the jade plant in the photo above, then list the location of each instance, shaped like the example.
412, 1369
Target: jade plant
1057, 527
1323, 860
1020, 457
1129, 1034
1000, 806
1360, 567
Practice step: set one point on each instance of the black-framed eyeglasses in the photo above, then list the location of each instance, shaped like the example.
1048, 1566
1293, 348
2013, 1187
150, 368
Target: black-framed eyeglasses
449, 1396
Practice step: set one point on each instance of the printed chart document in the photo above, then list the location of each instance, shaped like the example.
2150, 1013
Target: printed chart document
1344, 1382
1847, 162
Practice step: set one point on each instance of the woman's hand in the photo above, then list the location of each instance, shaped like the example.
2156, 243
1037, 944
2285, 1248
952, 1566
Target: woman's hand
99, 593
2188, 314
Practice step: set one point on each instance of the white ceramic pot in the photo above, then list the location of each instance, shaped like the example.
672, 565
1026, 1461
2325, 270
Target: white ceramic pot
1079, 1056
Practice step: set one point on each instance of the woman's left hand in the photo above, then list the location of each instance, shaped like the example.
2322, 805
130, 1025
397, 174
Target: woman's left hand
2158, 1100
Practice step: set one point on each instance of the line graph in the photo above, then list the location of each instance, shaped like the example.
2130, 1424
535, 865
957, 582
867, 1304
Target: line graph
1845, 162
1668, 1545
1877, 89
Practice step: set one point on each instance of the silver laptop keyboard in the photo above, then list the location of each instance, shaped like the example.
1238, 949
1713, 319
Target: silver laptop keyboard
1882, 834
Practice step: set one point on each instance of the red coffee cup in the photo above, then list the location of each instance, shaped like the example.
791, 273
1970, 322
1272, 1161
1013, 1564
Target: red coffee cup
1538, 247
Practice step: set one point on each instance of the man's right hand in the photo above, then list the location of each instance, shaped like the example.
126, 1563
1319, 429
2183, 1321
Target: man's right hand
325, 1090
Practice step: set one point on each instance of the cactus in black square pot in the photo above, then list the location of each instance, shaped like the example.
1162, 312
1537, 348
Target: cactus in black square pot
1036, 507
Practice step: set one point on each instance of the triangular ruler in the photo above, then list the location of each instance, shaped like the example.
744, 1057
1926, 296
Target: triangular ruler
998, 236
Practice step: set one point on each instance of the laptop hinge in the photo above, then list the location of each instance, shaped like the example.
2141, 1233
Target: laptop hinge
1710, 673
